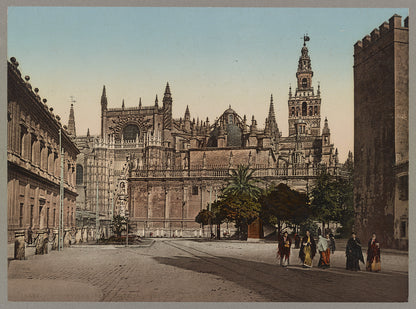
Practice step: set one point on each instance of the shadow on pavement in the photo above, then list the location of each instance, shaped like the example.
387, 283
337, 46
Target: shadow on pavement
297, 284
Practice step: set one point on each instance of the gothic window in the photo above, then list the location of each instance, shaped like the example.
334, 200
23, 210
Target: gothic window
293, 111
297, 111
230, 119
304, 109
315, 110
80, 174
130, 132
194, 190
304, 83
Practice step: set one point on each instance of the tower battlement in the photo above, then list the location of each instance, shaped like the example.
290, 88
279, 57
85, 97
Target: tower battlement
395, 22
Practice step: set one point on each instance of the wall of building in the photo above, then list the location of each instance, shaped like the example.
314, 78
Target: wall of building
380, 127
34, 161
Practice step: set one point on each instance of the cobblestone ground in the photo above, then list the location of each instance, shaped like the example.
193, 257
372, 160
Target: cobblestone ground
198, 271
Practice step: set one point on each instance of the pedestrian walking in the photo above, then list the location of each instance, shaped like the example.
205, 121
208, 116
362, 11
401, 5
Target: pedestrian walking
284, 249
324, 252
354, 253
307, 250
373, 255
332, 243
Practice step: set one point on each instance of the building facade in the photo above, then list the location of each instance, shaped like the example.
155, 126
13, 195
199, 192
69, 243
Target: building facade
161, 171
34, 161
381, 127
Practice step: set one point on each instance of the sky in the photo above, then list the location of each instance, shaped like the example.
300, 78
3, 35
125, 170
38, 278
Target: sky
211, 57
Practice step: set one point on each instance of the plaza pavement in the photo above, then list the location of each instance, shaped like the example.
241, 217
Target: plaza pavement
184, 270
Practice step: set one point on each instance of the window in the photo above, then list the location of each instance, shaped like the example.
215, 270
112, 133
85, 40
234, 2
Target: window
40, 212
230, 119
194, 190
130, 132
21, 215
304, 83
23, 132
31, 215
404, 188
403, 229
315, 110
293, 111
80, 174
47, 217
304, 109
54, 216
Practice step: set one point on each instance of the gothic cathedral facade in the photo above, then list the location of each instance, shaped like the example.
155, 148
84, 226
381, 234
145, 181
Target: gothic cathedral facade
161, 171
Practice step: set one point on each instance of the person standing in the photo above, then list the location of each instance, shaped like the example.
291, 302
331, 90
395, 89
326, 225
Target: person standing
324, 252
354, 253
332, 243
307, 250
284, 249
373, 254
297, 241
29, 235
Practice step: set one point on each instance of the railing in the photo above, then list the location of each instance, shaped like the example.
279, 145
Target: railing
224, 172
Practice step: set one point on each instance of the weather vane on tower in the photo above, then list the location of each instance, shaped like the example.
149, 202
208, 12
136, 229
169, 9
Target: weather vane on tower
305, 39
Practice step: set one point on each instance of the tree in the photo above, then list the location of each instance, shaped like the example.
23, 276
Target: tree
239, 202
242, 182
119, 225
204, 217
241, 209
281, 204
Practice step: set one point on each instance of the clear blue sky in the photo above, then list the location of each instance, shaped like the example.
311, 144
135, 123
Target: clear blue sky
212, 57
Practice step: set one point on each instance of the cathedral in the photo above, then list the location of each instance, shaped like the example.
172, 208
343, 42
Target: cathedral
161, 171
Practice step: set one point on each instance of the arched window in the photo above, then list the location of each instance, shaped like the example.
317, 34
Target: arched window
304, 109
304, 82
230, 119
130, 132
80, 174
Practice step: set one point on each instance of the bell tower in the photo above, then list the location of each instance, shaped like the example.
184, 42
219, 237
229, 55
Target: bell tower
305, 105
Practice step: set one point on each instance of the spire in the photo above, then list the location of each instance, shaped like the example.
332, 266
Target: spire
304, 73
271, 116
88, 132
187, 114
103, 99
156, 102
325, 130
167, 89
140, 102
122, 104
71, 121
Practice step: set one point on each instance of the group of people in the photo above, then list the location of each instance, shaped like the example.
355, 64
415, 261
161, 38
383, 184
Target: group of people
326, 247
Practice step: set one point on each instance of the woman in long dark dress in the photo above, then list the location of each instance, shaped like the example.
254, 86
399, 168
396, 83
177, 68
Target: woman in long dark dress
307, 250
373, 254
354, 253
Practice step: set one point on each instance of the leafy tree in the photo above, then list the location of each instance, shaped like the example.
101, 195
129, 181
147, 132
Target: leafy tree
242, 182
204, 217
119, 224
242, 209
281, 204
325, 199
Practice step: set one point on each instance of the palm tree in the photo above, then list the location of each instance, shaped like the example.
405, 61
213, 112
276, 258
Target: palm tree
242, 182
